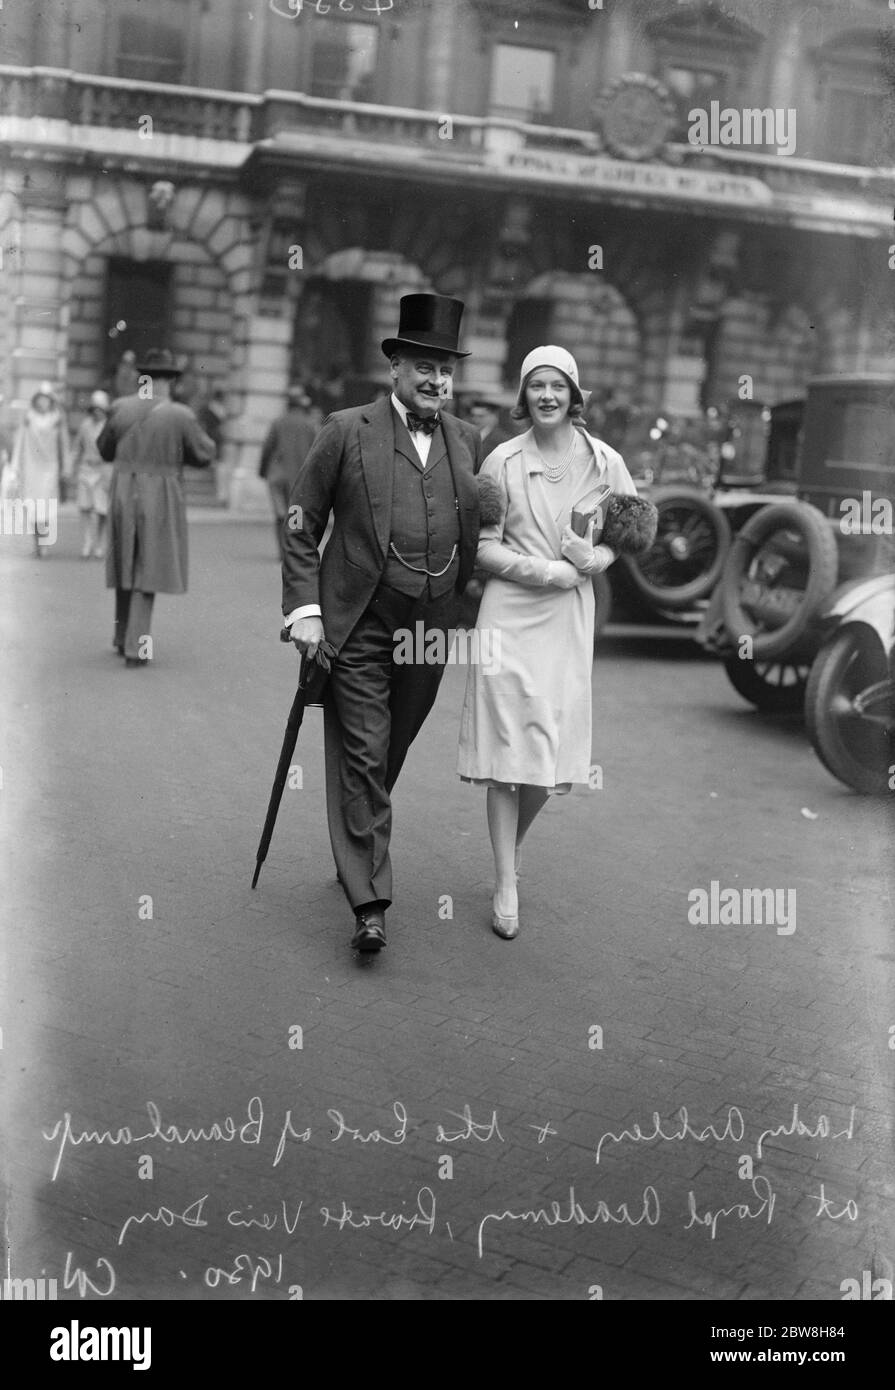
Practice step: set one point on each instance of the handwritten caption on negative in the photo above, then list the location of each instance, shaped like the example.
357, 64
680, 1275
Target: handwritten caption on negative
278, 1141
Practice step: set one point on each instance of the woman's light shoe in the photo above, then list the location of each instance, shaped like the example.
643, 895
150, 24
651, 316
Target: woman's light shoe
507, 927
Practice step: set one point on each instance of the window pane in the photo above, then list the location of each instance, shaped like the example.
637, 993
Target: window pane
694, 88
344, 61
855, 133
149, 48
522, 81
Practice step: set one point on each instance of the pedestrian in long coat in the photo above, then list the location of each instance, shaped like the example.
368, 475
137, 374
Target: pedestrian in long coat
525, 729
40, 458
285, 448
149, 439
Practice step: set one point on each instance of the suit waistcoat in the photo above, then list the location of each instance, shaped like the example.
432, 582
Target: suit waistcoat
425, 524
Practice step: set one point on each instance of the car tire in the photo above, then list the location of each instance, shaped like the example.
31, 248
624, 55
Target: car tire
806, 533
774, 686
691, 524
855, 751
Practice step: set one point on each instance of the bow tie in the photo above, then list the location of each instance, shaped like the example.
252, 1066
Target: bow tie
416, 424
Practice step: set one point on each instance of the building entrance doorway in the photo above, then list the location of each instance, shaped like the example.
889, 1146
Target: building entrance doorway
137, 309
330, 342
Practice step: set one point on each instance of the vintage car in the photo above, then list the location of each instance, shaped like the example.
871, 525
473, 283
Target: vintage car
778, 592
850, 696
698, 516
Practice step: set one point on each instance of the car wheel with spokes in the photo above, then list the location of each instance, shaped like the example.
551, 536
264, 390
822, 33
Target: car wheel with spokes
685, 561
850, 710
777, 685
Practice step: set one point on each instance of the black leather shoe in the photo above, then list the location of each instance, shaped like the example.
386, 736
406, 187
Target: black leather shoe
369, 934
136, 661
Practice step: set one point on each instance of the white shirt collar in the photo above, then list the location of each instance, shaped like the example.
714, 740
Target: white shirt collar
402, 412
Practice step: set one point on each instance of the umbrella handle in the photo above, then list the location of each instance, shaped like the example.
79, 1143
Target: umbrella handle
323, 656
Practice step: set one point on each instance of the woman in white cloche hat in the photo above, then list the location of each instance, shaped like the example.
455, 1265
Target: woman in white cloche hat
525, 730
40, 459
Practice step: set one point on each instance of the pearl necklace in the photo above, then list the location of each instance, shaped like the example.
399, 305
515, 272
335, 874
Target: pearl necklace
555, 472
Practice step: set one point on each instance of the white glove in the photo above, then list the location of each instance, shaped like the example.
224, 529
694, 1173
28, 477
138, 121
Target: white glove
563, 575
583, 554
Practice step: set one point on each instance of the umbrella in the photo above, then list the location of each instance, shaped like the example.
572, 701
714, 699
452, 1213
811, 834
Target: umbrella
311, 680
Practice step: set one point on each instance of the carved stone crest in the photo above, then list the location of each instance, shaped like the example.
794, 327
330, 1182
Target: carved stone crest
635, 115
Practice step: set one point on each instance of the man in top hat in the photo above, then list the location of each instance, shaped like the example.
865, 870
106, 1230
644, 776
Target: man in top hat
398, 476
148, 437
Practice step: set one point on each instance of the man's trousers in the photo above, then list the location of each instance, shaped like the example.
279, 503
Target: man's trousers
133, 615
373, 709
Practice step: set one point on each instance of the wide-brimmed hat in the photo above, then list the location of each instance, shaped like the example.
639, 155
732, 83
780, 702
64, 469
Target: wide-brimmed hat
159, 362
561, 361
428, 321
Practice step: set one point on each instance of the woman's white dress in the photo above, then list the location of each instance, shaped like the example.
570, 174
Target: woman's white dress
527, 711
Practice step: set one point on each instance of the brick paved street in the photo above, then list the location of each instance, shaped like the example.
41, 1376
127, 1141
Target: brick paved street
121, 784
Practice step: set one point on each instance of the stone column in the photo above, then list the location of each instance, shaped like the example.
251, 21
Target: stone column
787, 49
504, 276
441, 23
683, 368
256, 53
619, 42
265, 334
40, 308
268, 348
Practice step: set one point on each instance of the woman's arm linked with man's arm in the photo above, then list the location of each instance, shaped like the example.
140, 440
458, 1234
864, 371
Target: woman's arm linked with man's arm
496, 557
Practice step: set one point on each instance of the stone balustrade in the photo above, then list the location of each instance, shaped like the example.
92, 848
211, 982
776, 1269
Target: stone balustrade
243, 118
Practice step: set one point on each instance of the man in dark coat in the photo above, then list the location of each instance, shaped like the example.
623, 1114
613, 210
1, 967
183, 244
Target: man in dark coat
398, 476
148, 437
283, 452
484, 412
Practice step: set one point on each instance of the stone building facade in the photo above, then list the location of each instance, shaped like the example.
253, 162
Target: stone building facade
257, 186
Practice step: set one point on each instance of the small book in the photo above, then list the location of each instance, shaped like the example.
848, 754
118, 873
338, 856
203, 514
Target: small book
592, 505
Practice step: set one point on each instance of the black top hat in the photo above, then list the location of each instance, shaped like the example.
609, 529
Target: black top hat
159, 362
428, 321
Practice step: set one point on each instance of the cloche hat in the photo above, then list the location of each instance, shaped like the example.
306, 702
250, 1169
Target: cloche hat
561, 361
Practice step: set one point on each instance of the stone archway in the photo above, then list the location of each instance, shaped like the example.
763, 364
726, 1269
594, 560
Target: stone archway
348, 304
10, 252
200, 319
205, 238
